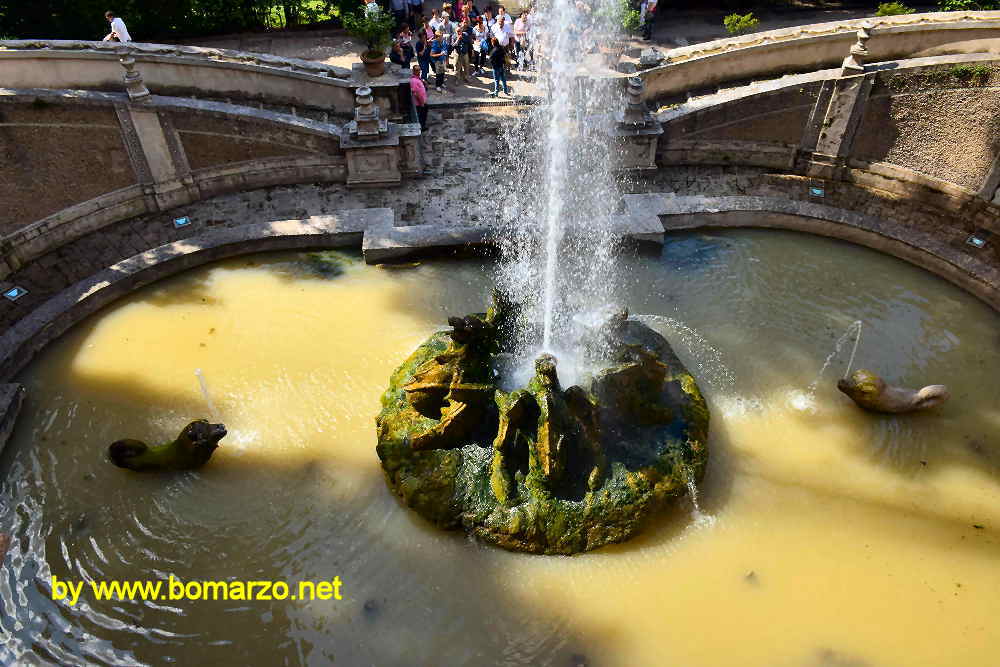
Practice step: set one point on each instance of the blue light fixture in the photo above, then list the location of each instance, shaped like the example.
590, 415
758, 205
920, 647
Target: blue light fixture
14, 293
978, 239
182, 222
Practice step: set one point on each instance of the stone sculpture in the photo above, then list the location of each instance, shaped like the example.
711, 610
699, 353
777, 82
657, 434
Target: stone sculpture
871, 392
192, 449
541, 469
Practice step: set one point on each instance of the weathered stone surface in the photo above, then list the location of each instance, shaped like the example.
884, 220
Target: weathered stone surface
541, 469
191, 449
11, 397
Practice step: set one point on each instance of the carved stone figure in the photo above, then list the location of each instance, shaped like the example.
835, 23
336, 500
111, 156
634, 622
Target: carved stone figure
192, 449
872, 393
543, 469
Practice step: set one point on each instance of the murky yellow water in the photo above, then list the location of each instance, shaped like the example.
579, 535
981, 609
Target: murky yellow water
829, 537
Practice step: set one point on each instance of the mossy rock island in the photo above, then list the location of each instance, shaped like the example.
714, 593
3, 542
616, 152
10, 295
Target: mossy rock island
542, 469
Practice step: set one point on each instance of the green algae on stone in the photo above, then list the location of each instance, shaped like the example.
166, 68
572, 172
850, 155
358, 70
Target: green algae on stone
542, 469
330, 263
191, 449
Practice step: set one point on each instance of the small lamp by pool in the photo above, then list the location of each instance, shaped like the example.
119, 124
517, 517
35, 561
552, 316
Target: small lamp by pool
14, 293
978, 239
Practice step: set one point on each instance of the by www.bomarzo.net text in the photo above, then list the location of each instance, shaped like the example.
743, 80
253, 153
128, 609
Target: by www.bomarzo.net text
175, 589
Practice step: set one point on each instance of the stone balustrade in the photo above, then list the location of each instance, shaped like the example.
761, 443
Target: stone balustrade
193, 71
817, 46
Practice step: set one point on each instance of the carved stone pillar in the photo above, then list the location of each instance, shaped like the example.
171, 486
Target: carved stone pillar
637, 131
854, 63
136, 89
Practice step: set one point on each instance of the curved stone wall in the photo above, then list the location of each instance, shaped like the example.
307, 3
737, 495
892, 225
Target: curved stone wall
124, 160
869, 158
821, 45
908, 148
191, 70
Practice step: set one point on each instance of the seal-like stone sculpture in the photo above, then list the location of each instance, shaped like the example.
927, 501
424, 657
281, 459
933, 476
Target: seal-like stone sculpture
192, 449
872, 393
542, 469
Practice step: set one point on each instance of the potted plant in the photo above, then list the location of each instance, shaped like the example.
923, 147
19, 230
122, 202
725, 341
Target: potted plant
372, 25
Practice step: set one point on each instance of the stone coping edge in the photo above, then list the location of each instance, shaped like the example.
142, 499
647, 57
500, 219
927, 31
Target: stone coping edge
386, 243
200, 55
11, 399
168, 103
880, 25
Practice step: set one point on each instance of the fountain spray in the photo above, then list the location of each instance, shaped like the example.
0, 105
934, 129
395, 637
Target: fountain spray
558, 191
208, 398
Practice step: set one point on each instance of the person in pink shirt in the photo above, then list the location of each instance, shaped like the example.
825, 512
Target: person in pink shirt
419, 94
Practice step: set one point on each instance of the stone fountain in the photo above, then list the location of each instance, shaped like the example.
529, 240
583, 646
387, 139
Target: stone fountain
542, 469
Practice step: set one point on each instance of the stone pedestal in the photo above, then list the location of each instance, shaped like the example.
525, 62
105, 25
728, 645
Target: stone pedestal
372, 166
854, 63
636, 130
378, 152
136, 89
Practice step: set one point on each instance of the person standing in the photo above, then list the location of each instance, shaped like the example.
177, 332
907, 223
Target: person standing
501, 31
423, 53
439, 56
647, 15
480, 45
521, 40
462, 42
399, 12
498, 59
119, 33
419, 94
435, 22
416, 12
448, 29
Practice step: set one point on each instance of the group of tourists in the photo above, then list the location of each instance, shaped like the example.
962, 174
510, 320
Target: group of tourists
463, 39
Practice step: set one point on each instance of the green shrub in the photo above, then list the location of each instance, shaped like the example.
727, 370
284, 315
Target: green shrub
893, 9
966, 5
631, 21
739, 24
977, 74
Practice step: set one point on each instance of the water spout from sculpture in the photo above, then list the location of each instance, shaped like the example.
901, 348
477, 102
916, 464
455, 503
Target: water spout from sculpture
806, 401
208, 398
700, 517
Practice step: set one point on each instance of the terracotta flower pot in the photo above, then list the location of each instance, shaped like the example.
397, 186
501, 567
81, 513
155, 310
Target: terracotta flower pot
374, 63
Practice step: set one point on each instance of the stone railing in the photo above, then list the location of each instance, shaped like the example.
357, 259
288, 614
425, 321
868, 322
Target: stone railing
809, 47
187, 71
